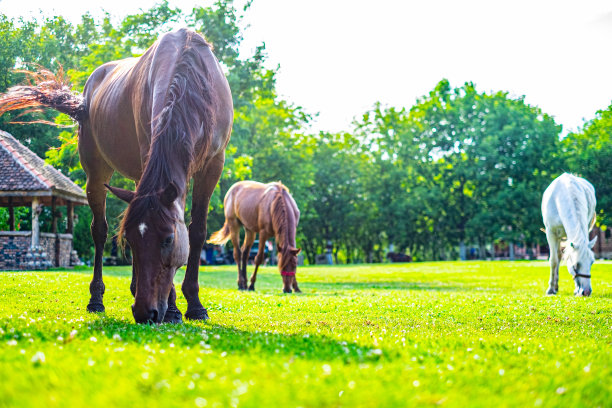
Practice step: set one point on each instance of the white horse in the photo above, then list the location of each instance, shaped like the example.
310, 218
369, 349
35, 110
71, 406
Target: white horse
568, 209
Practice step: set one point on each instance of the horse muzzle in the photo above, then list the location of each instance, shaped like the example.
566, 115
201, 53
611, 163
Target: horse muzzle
149, 315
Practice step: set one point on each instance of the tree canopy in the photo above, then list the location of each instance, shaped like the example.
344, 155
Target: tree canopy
459, 167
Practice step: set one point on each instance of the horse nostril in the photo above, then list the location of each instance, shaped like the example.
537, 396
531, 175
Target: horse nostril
153, 314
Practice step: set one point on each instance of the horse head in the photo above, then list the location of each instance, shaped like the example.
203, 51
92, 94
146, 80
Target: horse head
580, 258
287, 263
154, 227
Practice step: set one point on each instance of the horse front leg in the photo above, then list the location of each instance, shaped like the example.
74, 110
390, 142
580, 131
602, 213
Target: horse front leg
295, 286
204, 182
555, 259
259, 258
173, 315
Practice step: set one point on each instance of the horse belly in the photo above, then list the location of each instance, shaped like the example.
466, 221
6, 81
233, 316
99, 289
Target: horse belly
114, 132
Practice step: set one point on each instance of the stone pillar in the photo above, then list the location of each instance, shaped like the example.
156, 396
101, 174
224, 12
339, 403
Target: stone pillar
511, 250
36, 209
54, 230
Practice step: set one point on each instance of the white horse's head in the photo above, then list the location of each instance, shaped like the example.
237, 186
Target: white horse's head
579, 261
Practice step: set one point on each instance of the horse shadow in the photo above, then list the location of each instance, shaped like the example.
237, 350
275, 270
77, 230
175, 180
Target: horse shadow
216, 338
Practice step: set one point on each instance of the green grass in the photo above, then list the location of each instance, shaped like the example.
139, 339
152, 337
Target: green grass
478, 334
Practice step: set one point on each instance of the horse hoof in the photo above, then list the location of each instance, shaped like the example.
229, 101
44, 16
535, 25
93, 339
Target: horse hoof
95, 308
173, 316
252, 288
198, 314
551, 292
286, 290
297, 290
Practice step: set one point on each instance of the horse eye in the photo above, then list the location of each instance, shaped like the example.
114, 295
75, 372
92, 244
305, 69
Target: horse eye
168, 240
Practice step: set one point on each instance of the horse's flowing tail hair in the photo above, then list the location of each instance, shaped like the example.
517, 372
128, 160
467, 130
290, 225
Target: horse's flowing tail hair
222, 236
45, 89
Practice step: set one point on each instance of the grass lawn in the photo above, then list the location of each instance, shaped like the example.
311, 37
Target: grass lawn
479, 334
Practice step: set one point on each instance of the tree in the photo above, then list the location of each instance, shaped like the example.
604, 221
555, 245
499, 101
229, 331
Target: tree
589, 154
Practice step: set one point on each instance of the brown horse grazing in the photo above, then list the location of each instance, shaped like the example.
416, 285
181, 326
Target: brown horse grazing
266, 209
160, 120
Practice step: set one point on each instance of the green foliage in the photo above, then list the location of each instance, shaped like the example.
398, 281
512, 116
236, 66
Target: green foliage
471, 165
472, 334
589, 154
459, 167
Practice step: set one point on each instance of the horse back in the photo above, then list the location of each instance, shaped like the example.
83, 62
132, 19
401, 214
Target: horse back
126, 98
568, 205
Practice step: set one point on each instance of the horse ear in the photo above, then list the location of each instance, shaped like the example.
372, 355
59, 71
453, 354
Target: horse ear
592, 242
169, 194
125, 195
295, 251
279, 249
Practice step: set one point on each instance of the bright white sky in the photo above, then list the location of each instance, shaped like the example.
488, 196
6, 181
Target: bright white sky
338, 57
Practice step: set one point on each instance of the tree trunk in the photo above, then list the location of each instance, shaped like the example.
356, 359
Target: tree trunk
462, 251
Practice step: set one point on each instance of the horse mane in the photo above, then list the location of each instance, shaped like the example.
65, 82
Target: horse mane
283, 223
177, 150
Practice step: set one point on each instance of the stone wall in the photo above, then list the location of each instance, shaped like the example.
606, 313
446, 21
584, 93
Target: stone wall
14, 246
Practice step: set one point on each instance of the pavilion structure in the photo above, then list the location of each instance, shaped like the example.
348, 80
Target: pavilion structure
26, 180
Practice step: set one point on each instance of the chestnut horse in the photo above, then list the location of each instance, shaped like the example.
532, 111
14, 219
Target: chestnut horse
160, 119
267, 210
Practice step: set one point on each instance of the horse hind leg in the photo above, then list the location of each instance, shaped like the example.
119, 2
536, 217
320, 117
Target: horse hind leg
96, 196
555, 259
249, 238
259, 258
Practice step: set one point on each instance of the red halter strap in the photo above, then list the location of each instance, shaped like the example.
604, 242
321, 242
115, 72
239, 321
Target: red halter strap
285, 273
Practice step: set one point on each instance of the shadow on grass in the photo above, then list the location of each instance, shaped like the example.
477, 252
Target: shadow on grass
400, 285
225, 279
218, 338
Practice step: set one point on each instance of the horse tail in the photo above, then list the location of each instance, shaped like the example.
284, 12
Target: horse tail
184, 124
222, 236
45, 89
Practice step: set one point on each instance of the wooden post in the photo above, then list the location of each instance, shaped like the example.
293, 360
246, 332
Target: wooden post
11, 214
54, 231
70, 226
70, 215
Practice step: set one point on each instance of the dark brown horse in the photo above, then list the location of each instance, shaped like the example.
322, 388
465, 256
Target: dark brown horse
267, 210
160, 120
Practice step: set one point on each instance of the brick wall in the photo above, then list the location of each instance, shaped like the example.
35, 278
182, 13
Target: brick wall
603, 246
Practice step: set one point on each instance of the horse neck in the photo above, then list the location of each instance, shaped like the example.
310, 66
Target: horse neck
573, 216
